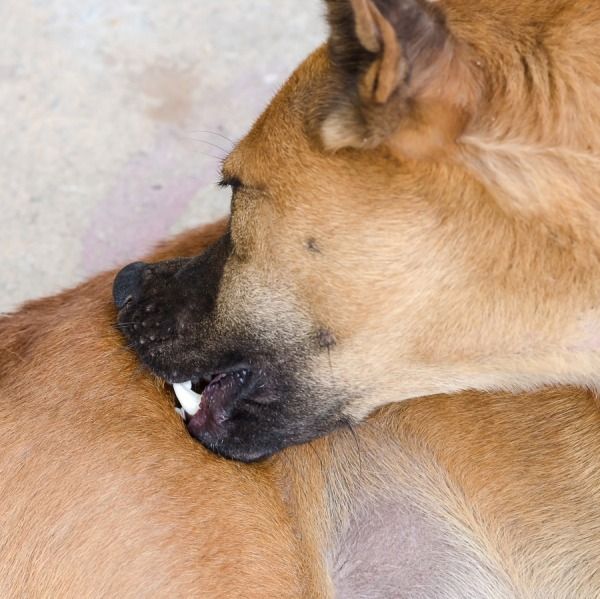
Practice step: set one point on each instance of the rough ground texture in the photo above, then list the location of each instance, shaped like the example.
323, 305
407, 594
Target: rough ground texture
114, 116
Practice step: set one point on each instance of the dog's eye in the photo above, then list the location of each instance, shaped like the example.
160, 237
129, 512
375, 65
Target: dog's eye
232, 182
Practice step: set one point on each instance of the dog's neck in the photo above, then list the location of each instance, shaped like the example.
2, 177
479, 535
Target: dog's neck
512, 303
542, 170
542, 330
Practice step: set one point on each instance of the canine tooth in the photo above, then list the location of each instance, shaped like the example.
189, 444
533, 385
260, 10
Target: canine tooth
187, 385
189, 400
181, 412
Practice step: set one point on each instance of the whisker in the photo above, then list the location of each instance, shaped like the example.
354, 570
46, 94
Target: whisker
218, 158
214, 133
208, 143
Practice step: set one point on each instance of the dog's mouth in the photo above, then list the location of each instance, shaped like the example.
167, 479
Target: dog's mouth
206, 402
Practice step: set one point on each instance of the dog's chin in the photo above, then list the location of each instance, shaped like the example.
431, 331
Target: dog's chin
233, 413
249, 440
229, 446
245, 437
239, 434
238, 414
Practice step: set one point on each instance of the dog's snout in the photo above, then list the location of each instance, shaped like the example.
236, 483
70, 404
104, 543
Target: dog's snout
128, 284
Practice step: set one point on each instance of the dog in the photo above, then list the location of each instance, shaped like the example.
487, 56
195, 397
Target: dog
415, 213
305, 315
103, 492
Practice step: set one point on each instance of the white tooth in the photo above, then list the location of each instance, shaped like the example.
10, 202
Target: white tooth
180, 412
189, 400
187, 385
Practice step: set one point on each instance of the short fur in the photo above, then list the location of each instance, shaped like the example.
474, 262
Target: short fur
103, 492
419, 221
444, 159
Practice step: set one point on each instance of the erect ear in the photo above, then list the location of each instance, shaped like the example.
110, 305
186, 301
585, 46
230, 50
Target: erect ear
401, 78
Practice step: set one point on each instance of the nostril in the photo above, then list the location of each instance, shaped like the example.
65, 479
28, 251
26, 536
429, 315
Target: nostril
128, 284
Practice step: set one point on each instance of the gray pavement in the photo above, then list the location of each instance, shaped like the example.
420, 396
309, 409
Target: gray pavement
114, 116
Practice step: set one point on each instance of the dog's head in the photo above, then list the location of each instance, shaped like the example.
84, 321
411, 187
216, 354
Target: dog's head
356, 245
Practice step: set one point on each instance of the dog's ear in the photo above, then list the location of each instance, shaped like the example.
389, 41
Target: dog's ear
401, 78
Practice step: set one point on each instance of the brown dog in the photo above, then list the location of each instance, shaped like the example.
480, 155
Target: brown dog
429, 176
104, 494
416, 212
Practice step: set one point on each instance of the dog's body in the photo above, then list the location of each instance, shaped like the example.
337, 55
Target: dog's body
103, 493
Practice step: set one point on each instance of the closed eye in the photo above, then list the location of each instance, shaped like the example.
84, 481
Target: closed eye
232, 182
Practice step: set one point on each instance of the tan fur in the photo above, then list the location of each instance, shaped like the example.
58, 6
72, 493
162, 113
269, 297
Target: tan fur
102, 492
471, 267
455, 222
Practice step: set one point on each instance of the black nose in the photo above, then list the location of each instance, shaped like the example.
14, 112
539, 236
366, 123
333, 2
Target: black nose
128, 284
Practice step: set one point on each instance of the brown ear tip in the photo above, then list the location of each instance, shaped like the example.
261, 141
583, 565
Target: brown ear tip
365, 24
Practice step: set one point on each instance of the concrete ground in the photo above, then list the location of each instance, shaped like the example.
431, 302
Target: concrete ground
114, 115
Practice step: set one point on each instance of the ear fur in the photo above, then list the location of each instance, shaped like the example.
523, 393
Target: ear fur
407, 82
